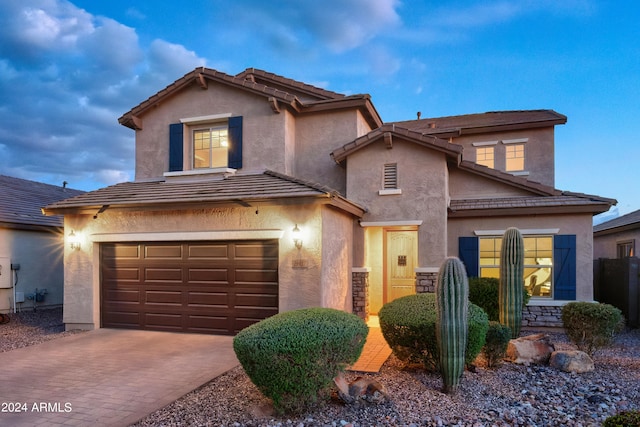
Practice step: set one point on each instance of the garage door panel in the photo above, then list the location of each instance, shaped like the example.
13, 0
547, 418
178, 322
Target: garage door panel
212, 251
206, 287
155, 274
163, 251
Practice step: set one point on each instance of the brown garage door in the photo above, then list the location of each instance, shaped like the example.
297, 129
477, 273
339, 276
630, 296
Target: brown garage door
206, 287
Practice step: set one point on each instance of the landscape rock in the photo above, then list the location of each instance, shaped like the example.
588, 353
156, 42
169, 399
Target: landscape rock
532, 349
571, 361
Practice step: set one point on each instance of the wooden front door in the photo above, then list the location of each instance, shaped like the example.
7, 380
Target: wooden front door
401, 253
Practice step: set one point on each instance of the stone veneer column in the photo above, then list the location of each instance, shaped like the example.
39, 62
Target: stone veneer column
360, 291
426, 279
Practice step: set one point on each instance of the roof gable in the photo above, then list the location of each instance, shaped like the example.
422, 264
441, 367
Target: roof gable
21, 202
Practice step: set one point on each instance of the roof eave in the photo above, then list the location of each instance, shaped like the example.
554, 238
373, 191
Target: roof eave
592, 209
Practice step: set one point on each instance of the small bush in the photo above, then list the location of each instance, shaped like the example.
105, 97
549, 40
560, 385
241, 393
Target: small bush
292, 357
623, 419
495, 348
408, 325
591, 326
483, 292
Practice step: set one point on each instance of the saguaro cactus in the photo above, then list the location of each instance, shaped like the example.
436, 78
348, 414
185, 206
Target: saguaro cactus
511, 289
452, 300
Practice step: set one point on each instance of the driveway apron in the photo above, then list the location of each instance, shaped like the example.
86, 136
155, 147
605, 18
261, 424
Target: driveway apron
106, 377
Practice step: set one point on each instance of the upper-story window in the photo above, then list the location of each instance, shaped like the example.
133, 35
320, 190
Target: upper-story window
514, 154
485, 156
206, 142
210, 146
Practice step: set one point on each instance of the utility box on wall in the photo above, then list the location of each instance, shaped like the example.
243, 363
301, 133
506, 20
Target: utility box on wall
5, 273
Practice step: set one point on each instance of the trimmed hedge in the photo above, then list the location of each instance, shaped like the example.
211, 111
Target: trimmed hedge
292, 357
623, 419
591, 326
498, 337
408, 325
483, 292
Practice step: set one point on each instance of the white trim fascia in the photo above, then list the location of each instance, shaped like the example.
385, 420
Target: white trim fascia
174, 236
390, 223
389, 192
204, 119
482, 144
426, 270
524, 231
361, 269
515, 141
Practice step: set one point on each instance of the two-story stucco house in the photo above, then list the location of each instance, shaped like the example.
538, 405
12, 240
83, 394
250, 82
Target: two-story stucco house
256, 194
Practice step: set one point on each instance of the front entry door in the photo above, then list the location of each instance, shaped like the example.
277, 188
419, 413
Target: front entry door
401, 252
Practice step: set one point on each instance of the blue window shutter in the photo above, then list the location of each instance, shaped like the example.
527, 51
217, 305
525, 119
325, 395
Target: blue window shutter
564, 267
175, 147
468, 251
235, 143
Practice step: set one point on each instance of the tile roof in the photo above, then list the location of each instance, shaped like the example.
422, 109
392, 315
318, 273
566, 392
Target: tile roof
564, 202
484, 122
630, 220
21, 202
271, 79
238, 190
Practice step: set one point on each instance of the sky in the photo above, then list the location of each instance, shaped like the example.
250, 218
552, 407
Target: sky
69, 69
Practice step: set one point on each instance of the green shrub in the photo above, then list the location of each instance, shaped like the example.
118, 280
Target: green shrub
483, 292
408, 325
495, 348
591, 326
292, 357
623, 419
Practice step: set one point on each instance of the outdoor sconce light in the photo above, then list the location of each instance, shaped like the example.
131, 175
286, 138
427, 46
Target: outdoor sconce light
296, 234
74, 241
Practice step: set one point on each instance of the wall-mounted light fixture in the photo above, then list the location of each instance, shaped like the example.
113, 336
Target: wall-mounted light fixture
296, 234
74, 241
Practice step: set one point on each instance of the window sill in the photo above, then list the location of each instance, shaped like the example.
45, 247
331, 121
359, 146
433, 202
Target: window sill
195, 173
389, 192
519, 173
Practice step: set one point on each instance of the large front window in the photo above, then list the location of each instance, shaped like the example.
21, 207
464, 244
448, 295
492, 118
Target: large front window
538, 262
210, 146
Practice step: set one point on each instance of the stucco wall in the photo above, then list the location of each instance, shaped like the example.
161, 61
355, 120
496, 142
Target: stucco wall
263, 130
539, 151
578, 224
605, 245
336, 260
466, 185
423, 179
298, 286
40, 257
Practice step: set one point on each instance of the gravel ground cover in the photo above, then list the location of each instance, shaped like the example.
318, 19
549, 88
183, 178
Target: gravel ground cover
31, 327
511, 395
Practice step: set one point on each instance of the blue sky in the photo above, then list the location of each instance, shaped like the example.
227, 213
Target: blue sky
69, 69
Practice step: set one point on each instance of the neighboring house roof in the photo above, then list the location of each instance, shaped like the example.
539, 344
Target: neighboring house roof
279, 91
21, 202
629, 221
453, 126
233, 190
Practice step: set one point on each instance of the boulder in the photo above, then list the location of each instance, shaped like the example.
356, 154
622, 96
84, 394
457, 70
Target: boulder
532, 349
571, 361
361, 389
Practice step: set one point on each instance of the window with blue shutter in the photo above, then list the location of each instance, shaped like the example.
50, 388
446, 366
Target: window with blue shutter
175, 147
235, 143
468, 252
564, 267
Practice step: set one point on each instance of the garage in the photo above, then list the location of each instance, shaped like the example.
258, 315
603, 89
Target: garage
215, 287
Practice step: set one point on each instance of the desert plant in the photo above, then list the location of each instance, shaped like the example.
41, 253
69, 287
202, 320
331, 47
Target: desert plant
408, 325
484, 291
497, 340
292, 357
591, 326
510, 296
623, 419
452, 302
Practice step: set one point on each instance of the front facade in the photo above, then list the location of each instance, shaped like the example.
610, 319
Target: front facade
257, 194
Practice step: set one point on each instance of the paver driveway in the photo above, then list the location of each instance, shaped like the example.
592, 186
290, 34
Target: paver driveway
106, 377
